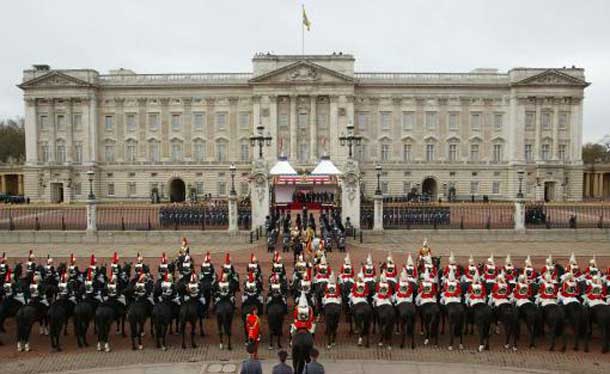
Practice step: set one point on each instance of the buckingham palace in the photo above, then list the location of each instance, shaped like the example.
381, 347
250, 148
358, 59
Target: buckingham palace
472, 133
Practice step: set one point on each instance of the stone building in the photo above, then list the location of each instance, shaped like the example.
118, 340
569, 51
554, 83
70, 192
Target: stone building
180, 132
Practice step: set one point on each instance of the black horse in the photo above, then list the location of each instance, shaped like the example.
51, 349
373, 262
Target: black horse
346, 289
332, 313
599, 315
25, 318
386, 316
508, 316
189, 314
554, 318
105, 314
531, 315
302, 344
482, 316
84, 313
225, 312
137, 315
59, 313
456, 316
407, 314
276, 312
430, 315
162, 317
574, 314
363, 316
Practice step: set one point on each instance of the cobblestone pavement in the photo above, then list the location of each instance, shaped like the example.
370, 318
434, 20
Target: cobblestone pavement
41, 360
330, 366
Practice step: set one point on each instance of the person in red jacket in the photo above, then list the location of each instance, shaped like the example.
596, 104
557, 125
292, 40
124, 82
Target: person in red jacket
551, 268
253, 326
529, 271
569, 290
390, 269
303, 317
592, 270
490, 272
451, 266
471, 272
500, 294
596, 293
510, 274
452, 292
547, 293
522, 293
403, 291
383, 294
368, 269
427, 292
360, 290
411, 270
476, 292
347, 271
573, 268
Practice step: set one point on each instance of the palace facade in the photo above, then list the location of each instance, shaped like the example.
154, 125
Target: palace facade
433, 132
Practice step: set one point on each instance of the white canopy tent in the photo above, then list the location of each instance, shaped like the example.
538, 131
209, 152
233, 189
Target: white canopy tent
325, 167
282, 167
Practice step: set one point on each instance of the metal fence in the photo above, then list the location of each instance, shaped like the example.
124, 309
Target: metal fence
43, 218
567, 215
441, 216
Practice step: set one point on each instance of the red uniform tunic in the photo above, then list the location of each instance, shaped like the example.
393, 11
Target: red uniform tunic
329, 296
452, 290
552, 269
411, 272
500, 293
322, 275
595, 294
307, 324
547, 291
522, 291
575, 270
490, 272
510, 274
253, 326
530, 274
427, 292
455, 268
356, 293
591, 271
569, 289
391, 272
369, 271
476, 293
403, 292
469, 274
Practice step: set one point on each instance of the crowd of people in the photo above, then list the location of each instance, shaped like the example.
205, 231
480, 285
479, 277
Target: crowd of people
313, 197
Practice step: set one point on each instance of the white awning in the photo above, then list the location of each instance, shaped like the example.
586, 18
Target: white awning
325, 167
282, 167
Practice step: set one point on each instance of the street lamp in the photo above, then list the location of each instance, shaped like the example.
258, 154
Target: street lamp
260, 139
378, 168
90, 174
520, 174
350, 139
232, 168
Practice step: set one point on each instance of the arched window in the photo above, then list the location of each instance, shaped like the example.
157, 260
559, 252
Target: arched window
221, 150
131, 150
154, 154
199, 150
60, 150
176, 150
453, 149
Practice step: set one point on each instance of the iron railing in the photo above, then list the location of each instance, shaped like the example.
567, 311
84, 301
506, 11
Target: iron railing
43, 218
567, 215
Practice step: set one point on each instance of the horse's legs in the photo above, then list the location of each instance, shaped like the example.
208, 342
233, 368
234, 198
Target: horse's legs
229, 339
85, 329
201, 326
193, 329
76, 324
183, 331
219, 327
451, 333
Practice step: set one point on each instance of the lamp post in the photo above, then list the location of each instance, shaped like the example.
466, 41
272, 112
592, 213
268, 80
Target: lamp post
260, 139
232, 168
90, 175
378, 168
520, 174
350, 139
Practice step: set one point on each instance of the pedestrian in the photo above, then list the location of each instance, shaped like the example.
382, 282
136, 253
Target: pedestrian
282, 368
252, 365
313, 367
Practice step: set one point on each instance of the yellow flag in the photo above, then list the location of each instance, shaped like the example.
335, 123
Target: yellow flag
306, 22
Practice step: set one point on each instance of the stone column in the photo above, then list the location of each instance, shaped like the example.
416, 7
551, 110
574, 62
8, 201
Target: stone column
313, 129
31, 131
53, 132
69, 132
259, 187
538, 124
233, 213
187, 125
378, 222
120, 128
350, 193
142, 121
21, 185
164, 128
587, 190
519, 215
3, 183
272, 128
67, 192
293, 128
91, 216
93, 130
334, 130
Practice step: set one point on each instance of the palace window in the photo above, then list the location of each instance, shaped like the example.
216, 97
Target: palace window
495, 187
131, 122
453, 152
153, 151
131, 150
453, 120
498, 121
77, 121
78, 153
562, 151
199, 121
528, 152
77, 188
199, 150
545, 153
564, 120
61, 122
547, 118
530, 120
153, 121
406, 187
475, 121
243, 188
322, 120
431, 120
303, 152
221, 120
176, 151
474, 187
110, 189
385, 120
221, 151
408, 120
283, 120
430, 152
244, 120
45, 152
363, 120
222, 188
108, 123
43, 122
199, 188
385, 187
303, 119
176, 122
61, 152
497, 153
474, 152
244, 149
109, 152
361, 152
131, 189
406, 152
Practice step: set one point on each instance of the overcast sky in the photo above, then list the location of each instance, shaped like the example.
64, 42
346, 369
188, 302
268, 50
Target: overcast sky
161, 36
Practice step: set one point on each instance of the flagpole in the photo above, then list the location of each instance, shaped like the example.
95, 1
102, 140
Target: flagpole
302, 30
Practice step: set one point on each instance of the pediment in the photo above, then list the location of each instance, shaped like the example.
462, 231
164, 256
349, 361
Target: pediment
302, 72
55, 79
552, 77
